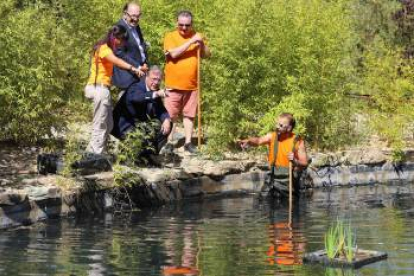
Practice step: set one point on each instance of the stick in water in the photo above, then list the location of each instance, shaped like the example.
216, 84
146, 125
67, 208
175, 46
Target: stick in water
199, 95
290, 186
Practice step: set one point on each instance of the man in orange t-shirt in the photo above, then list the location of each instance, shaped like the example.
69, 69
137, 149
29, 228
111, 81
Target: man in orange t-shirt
180, 47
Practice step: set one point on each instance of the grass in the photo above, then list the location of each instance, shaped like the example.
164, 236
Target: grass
340, 241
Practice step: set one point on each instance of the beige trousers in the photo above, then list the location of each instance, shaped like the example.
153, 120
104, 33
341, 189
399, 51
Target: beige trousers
102, 116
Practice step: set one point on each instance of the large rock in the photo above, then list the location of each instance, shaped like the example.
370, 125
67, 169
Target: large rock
324, 160
218, 170
370, 156
352, 157
154, 175
41, 193
193, 166
9, 199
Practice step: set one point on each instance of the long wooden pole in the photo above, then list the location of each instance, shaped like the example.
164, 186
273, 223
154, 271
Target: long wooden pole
290, 185
199, 95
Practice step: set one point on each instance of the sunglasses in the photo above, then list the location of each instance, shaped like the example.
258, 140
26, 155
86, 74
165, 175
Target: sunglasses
282, 126
184, 25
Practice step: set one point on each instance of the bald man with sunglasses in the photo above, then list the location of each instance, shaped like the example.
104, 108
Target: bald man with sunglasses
181, 47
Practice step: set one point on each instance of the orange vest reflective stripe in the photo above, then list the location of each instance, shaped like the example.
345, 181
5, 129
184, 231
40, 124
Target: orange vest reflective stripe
285, 146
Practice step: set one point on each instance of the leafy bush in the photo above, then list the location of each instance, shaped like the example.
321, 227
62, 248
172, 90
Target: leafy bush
31, 87
388, 79
269, 56
293, 57
137, 141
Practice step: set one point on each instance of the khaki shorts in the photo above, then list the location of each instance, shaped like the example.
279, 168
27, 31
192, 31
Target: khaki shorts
179, 101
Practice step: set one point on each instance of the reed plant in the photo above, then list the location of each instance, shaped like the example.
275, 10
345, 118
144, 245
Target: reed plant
340, 241
330, 242
333, 239
350, 248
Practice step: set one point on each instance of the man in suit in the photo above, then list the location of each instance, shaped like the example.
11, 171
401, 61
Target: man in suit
133, 51
142, 103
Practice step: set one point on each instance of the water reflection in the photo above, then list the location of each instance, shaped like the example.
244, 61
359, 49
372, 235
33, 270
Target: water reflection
286, 245
286, 240
181, 250
340, 272
217, 237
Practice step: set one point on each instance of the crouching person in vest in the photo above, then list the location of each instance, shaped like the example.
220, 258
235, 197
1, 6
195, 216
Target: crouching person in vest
284, 147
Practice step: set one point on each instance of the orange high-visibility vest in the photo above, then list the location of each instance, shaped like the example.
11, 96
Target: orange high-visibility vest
286, 143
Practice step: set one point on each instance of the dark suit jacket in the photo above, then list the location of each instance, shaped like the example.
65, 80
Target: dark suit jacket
136, 105
129, 52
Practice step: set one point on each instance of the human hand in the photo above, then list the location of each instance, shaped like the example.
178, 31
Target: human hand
291, 157
166, 127
162, 93
144, 68
244, 144
197, 39
138, 71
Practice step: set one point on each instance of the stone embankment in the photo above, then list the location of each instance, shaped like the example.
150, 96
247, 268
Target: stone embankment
39, 197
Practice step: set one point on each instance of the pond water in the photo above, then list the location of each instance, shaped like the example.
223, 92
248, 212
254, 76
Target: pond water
213, 237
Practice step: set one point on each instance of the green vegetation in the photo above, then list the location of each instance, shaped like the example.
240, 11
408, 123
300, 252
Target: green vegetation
334, 240
350, 243
344, 68
340, 240
73, 149
134, 143
127, 153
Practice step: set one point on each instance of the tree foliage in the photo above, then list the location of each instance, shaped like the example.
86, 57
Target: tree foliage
302, 56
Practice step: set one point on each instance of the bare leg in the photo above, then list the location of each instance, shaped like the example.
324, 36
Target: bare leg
173, 130
188, 128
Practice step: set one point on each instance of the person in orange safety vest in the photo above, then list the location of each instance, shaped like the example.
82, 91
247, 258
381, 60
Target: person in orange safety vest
284, 147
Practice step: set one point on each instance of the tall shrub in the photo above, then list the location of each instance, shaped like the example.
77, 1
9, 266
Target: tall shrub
31, 89
292, 57
389, 80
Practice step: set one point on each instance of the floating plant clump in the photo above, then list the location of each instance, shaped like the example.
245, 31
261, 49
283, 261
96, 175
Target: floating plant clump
341, 249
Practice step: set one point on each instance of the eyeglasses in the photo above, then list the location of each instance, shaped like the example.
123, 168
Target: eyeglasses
184, 25
136, 16
155, 79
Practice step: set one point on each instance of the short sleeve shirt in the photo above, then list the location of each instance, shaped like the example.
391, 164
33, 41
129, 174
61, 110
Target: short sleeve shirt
180, 72
104, 66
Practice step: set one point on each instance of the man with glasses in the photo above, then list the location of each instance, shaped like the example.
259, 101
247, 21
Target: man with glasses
134, 49
181, 47
284, 147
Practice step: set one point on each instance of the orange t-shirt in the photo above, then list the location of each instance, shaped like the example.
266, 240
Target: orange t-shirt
105, 67
285, 146
181, 72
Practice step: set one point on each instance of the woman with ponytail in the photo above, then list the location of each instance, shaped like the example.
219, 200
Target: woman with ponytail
97, 88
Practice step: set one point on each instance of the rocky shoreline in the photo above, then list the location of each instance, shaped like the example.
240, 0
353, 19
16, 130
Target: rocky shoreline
39, 197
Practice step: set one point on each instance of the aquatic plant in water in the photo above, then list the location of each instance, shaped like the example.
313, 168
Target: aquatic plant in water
350, 244
331, 241
340, 241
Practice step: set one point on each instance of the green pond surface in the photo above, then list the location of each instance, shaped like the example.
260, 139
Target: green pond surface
226, 236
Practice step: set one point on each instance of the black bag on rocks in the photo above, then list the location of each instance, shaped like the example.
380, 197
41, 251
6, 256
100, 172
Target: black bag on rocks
48, 163
89, 163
